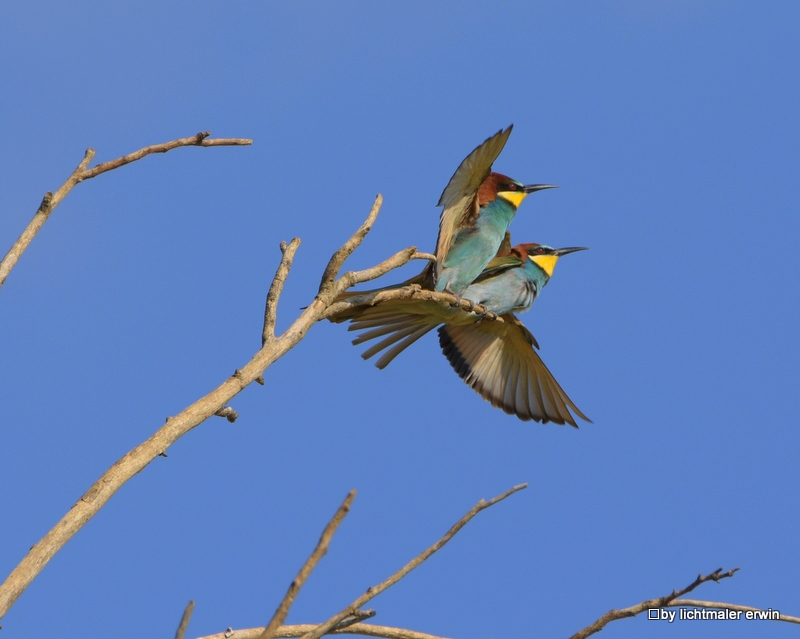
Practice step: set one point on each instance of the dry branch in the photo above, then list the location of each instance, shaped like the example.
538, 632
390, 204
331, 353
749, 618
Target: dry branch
275, 290
338, 258
81, 173
367, 629
180, 633
660, 602
345, 621
411, 292
374, 591
718, 605
190, 417
319, 552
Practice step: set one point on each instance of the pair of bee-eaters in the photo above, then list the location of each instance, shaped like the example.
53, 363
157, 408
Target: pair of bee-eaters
475, 262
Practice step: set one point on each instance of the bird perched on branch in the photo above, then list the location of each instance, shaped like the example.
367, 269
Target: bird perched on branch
495, 358
478, 207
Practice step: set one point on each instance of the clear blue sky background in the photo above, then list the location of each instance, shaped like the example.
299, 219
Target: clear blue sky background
673, 131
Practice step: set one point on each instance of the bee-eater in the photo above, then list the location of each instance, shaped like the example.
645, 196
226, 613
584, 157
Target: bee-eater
478, 207
496, 359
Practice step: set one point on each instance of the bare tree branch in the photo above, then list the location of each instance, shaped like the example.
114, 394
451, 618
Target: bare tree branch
338, 258
388, 632
319, 552
81, 173
201, 139
275, 290
367, 629
660, 602
176, 427
354, 618
412, 292
374, 591
184, 624
696, 603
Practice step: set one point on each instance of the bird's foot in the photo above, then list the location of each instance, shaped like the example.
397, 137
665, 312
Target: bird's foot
470, 305
485, 315
450, 291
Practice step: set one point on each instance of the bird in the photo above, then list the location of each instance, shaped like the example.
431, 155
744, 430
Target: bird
496, 359
478, 206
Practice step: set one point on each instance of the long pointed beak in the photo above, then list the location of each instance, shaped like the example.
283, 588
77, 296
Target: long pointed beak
572, 249
530, 188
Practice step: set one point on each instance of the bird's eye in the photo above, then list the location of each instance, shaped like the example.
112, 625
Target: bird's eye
512, 187
540, 250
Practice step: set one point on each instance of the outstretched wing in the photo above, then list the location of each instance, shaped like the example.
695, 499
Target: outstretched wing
498, 361
459, 197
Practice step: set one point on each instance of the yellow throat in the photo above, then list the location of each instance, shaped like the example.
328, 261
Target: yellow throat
546, 262
515, 197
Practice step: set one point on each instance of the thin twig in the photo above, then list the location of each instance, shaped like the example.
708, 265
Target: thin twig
184, 624
338, 258
354, 618
319, 552
660, 602
367, 629
275, 290
696, 603
81, 173
201, 139
352, 278
374, 591
176, 427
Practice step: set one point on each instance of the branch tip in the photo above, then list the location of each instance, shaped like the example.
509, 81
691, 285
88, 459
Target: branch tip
373, 591
276, 288
184, 624
81, 173
660, 602
321, 549
326, 286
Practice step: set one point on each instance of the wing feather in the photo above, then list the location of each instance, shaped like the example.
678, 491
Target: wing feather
499, 362
459, 197
393, 352
399, 334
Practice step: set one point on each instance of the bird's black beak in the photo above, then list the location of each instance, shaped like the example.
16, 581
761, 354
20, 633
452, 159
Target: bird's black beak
572, 249
531, 188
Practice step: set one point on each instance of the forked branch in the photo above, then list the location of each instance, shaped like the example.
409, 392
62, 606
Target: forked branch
319, 552
659, 602
81, 173
275, 290
341, 623
213, 403
374, 591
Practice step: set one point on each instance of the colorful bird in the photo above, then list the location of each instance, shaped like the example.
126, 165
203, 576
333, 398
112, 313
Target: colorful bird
496, 359
478, 207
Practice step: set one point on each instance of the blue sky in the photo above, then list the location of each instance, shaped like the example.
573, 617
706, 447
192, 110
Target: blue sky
672, 130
